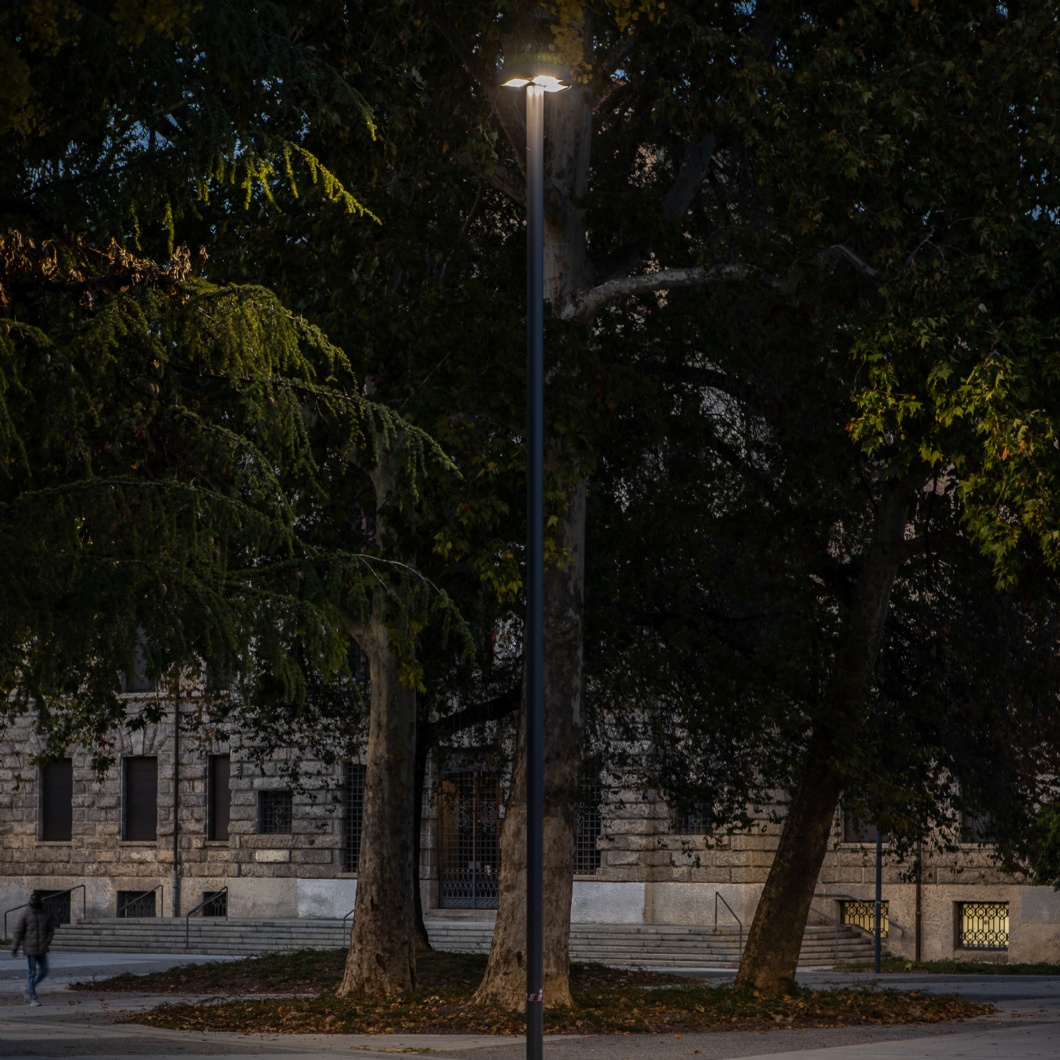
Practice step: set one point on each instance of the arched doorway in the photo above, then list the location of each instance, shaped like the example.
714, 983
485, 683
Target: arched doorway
468, 820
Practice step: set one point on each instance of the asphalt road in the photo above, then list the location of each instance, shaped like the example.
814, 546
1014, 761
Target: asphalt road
75, 1025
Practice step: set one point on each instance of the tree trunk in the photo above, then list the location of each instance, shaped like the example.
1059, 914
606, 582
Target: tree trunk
771, 955
504, 982
382, 953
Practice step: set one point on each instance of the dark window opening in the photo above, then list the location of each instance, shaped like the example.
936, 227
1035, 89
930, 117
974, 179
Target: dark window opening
58, 904
218, 797
857, 831
274, 812
140, 803
56, 801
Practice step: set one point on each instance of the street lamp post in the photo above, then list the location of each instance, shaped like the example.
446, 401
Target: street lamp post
536, 79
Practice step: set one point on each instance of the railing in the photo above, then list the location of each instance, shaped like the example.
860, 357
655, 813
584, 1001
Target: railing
838, 897
345, 918
136, 898
717, 898
55, 894
222, 893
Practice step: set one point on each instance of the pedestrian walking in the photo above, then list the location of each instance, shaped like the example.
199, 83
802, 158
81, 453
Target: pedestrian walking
33, 932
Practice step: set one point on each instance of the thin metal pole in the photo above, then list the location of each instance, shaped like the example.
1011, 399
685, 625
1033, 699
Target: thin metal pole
535, 566
879, 902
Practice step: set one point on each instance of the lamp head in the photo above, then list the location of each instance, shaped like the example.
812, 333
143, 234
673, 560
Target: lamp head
531, 70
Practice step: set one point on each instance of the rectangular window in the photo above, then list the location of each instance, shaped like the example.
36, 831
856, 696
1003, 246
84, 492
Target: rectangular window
588, 825
218, 796
352, 815
135, 904
138, 680
858, 831
693, 820
56, 801
863, 915
140, 801
274, 812
982, 925
976, 828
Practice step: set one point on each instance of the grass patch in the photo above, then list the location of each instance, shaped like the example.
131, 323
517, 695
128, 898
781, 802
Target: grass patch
607, 1001
896, 964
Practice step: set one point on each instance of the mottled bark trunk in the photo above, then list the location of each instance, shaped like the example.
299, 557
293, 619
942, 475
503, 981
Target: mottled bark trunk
771, 955
382, 953
504, 983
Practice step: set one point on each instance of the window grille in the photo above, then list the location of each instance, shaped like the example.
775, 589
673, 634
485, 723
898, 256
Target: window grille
468, 822
589, 825
58, 904
56, 801
216, 903
693, 820
352, 815
218, 797
982, 925
135, 904
140, 804
863, 915
858, 831
274, 812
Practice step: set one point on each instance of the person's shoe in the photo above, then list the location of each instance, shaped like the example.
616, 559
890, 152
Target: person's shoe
34, 1001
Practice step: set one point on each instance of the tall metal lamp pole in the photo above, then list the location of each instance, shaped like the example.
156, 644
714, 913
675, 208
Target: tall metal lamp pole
536, 79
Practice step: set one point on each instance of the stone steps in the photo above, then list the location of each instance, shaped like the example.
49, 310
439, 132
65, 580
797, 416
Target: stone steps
647, 945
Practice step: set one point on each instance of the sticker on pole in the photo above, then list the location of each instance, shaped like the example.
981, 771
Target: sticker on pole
533, 998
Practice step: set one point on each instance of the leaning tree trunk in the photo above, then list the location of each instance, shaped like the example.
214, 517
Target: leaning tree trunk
382, 953
771, 955
504, 982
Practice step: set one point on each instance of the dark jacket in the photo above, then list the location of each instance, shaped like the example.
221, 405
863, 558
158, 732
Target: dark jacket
33, 931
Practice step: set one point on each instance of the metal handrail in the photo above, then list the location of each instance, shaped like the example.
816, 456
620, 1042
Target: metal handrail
717, 896
837, 896
137, 897
347, 917
54, 894
202, 905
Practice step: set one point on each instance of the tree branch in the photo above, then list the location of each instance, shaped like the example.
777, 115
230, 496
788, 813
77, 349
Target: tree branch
585, 307
690, 177
831, 256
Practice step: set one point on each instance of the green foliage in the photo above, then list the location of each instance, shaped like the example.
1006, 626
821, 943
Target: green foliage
174, 454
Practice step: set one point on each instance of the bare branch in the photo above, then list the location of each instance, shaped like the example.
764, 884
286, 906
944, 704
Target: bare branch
585, 307
831, 256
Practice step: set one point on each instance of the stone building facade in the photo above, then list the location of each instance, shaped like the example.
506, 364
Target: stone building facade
164, 831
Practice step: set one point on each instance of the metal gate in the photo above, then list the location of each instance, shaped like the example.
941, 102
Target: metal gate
468, 819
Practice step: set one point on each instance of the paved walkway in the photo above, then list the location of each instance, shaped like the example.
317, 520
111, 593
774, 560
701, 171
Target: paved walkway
76, 1025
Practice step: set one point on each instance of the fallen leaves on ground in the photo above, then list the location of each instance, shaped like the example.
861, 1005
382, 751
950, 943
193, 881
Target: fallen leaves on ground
608, 1001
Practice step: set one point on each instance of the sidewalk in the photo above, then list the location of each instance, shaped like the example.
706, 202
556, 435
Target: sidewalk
80, 1025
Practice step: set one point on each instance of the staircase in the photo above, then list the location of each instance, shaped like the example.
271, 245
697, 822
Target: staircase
644, 945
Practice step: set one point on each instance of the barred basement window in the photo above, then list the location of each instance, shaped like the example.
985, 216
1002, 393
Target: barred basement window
982, 925
274, 812
218, 797
135, 904
140, 799
58, 904
56, 801
352, 815
216, 903
863, 915
588, 828
977, 828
